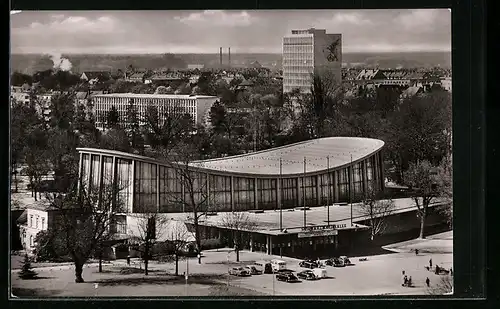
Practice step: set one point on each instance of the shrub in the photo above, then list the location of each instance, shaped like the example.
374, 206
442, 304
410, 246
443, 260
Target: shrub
27, 271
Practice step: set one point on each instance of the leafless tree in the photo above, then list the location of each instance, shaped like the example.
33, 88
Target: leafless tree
377, 211
238, 223
196, 199
443, 286
148, 229
84, 221
178, 236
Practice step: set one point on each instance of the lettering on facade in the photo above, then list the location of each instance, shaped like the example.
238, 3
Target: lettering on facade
317, 233
324, 227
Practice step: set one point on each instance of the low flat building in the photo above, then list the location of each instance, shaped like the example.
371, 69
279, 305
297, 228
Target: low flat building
195, 105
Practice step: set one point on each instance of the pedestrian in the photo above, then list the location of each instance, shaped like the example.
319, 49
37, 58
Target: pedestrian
437, 269
409, 281
403, 272
430, 263
451, 271
427, 282
405, 280
416, 251
128, 260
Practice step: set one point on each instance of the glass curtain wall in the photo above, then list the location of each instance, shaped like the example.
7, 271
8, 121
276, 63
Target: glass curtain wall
266, 192
327, 184
244, 193
220, 192
310, 190
124, 183
343, 184
145, 188
290, 194
170, 190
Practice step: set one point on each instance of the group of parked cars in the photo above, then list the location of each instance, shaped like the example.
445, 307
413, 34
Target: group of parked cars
316, 270
335, 262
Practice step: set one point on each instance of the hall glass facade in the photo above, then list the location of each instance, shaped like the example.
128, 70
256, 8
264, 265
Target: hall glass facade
146, 185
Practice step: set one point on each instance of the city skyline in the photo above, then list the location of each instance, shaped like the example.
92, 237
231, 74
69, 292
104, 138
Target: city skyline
203, 32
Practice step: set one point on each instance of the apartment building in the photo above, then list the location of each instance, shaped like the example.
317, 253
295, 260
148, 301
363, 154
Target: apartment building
306, 52
195, 105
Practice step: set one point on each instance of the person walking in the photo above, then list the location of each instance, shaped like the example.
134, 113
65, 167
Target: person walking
403, 272
427, 282
416, 251
430, 262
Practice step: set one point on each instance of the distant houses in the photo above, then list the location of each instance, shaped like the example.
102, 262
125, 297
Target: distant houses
93, 77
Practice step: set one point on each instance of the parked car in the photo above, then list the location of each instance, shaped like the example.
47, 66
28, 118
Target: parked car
278, 265
346, 260
335, 262
320, 273
239, 271
253, 270
264, 266
307, 275
287, 277
308, 264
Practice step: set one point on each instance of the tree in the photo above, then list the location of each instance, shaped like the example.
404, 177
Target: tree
134, 133
84, 220
149, 227
237, 223
444, 286
36, 158
27, 271
195, 199
445, 187
24, 120
421, 179
178, 236
115, 139
174, 127
63, 157
161, 90
377, 211
112, 118
19, 79
421, 128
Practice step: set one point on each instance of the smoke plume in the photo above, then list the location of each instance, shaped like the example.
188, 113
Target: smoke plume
60, 63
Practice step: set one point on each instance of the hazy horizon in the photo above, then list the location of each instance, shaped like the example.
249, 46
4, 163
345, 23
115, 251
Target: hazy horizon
203, 32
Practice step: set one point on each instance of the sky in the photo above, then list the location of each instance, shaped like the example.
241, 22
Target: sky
254, 31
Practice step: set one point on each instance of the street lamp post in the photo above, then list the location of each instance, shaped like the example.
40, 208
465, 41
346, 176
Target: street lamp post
328, 188
281, 195
304, 191
350, 186
187, 274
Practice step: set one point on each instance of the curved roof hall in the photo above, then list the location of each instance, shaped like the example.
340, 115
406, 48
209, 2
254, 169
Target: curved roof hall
267, 162
316, 151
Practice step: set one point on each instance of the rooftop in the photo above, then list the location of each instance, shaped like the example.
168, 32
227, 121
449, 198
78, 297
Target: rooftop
267, 162
154, 96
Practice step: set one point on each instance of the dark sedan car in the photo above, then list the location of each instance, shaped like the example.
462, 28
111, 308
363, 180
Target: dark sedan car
308, 264
287, 277
307, 275
335, 262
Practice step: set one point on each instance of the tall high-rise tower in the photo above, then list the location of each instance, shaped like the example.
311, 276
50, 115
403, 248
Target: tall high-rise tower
310, 51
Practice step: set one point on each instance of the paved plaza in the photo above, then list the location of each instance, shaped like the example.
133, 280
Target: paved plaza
378, 275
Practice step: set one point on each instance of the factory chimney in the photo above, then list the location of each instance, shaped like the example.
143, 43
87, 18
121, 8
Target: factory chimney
229, 56
220, 56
